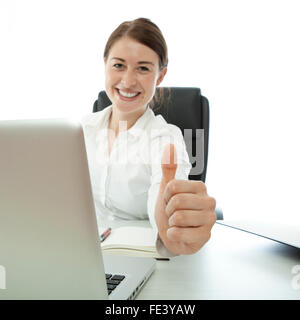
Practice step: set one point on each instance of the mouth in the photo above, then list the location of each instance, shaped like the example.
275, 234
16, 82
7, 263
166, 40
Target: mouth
127, 96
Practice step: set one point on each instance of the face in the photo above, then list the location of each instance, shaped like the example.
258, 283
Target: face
131, 75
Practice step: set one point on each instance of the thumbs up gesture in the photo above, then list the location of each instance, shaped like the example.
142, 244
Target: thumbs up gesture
184, 213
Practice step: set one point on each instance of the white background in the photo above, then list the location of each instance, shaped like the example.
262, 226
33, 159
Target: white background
244, 55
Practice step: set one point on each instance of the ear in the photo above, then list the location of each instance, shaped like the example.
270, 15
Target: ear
161, 76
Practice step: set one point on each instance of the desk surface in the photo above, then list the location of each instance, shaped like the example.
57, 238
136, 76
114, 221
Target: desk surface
232, 265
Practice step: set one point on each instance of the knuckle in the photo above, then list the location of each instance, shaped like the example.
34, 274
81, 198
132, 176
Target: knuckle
174, 234
176, 201
172, 186
178, 218
171, 207
202, 187
168, 210
212, 219
212, 203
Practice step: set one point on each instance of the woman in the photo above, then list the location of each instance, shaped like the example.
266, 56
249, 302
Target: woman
131, 151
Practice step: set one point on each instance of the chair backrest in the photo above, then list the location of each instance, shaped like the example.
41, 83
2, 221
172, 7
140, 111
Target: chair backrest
187, 109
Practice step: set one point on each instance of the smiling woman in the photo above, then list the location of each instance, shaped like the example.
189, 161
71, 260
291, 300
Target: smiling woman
180, 211
136, 59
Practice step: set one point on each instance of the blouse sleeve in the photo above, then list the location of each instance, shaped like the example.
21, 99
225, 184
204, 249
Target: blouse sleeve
171, 134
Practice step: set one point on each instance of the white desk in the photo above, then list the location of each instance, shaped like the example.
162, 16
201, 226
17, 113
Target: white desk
232, 265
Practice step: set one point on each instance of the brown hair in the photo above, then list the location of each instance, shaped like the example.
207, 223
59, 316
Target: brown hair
147, 33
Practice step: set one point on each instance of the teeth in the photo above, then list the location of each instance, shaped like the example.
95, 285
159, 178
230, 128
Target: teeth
128, 95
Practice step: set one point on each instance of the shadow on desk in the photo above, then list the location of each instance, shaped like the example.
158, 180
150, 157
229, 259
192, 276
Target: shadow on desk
284, 250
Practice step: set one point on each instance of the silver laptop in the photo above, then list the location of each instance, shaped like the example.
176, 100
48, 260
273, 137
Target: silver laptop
284, 233
49, 241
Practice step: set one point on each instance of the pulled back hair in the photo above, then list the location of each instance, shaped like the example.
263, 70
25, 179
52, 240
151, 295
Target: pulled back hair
143, 31
147, 33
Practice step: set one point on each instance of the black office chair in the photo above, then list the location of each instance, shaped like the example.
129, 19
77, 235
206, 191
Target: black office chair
187, 109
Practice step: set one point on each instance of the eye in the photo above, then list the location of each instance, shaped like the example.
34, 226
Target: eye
143, 68
118, 65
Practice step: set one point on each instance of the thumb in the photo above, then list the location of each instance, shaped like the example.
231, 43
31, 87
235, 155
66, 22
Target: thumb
168, 166
168, 163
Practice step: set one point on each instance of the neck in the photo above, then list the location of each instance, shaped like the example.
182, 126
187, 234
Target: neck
122, 121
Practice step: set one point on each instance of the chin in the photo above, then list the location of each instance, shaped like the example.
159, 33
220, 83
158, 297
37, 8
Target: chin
127, 108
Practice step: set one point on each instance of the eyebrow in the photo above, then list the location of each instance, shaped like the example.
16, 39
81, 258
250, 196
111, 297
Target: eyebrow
140, 62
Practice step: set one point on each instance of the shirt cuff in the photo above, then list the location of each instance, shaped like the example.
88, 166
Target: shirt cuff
162, 249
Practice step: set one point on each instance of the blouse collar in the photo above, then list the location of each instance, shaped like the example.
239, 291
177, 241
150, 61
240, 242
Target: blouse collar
99, 120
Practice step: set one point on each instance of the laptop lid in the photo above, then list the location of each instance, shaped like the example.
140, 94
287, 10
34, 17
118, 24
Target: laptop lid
49, 241
284, 233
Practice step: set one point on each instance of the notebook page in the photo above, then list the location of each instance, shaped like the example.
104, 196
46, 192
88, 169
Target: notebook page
130, 237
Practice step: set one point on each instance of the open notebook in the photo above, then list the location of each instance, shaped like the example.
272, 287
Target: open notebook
130, 241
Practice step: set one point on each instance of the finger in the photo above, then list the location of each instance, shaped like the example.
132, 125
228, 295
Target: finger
189, 201
184, 186
168, 163
189, 235
191, 218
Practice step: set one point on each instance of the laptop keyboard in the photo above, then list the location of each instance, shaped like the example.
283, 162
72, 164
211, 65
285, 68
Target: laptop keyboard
112, 281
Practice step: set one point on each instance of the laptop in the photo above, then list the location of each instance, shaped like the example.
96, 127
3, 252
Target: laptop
273, 230
49, 241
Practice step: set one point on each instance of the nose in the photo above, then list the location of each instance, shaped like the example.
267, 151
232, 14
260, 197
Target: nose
128, 79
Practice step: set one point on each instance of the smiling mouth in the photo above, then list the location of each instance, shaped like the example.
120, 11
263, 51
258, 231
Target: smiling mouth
128, 95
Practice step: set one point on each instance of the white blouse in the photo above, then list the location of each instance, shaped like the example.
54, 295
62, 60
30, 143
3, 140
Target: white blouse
125, 183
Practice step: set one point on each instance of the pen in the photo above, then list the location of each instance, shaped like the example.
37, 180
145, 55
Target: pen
105, 234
